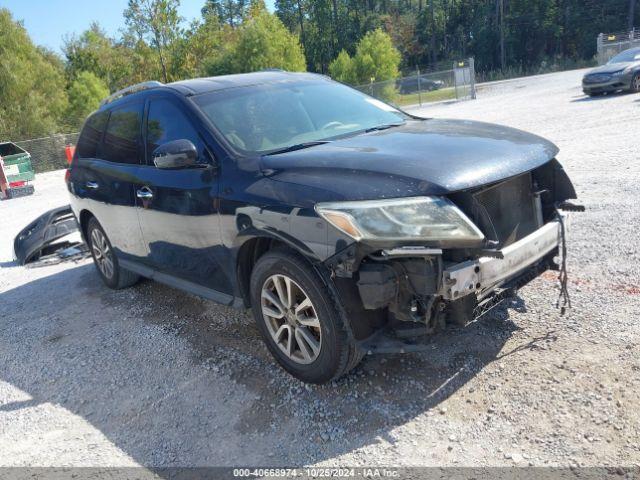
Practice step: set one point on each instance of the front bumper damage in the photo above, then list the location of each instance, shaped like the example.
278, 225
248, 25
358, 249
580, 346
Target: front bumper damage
408, 293
482, 275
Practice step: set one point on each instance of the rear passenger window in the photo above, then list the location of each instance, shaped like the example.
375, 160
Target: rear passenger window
167, 122
122, 138
92, 135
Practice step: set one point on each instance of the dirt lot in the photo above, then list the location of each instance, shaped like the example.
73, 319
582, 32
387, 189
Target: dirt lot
151, 376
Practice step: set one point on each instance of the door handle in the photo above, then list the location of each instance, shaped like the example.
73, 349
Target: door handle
144, 193
92, 185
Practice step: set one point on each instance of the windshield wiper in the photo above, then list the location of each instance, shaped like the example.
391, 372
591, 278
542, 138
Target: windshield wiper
383, 127
298, 146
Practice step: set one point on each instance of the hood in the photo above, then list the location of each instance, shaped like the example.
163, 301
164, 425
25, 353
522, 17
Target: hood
613, 67
421, 157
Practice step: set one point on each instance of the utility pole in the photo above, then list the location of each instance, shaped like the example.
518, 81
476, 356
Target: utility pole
502, 55
336, 33
632, 13
433, 32
301, 20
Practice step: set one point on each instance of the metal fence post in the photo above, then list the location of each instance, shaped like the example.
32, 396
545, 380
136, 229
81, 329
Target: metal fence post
599, 48
472, 77
455, 80
419, 87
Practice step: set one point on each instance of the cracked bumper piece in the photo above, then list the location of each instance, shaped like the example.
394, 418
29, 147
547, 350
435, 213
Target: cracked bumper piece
478, 276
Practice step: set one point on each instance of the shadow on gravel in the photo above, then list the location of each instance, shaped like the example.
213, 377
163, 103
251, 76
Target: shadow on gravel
119, 360
587, 98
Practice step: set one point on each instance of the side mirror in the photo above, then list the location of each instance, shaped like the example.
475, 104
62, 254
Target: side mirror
175, 154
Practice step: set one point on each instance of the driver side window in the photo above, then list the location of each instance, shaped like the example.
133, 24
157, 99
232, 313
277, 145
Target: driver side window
166, 122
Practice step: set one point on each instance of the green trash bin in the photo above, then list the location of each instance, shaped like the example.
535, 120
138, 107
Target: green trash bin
17, 169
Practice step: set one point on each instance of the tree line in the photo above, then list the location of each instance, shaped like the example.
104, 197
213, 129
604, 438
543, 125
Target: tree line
355, 41
498, 33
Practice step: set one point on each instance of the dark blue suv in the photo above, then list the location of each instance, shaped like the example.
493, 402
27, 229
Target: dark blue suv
348, 226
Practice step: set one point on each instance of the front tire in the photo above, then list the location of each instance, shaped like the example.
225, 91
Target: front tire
105, 259
635, 83
298, 318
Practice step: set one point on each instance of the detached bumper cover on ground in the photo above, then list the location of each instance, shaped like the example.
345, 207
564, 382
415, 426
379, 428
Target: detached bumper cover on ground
40, 234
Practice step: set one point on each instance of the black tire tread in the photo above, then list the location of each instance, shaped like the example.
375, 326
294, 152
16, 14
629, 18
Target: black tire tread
633, 87
125, 278
350, 354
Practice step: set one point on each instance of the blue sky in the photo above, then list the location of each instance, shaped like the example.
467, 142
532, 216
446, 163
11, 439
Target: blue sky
47, 21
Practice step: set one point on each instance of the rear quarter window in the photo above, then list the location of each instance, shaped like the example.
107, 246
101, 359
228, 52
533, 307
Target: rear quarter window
92, 135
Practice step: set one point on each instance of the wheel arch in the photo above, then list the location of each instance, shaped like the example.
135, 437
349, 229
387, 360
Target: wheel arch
254, 245
83, 220
360, 323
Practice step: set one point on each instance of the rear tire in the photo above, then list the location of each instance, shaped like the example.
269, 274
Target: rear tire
105, 260
299, 319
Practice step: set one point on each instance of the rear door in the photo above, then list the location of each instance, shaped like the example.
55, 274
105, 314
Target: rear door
178, 208
110, 150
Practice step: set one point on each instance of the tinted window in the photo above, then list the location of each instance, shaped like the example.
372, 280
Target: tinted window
122, 138
91, 135
167, 122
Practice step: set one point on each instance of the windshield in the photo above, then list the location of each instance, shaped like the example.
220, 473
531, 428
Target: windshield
265, 118
627, 56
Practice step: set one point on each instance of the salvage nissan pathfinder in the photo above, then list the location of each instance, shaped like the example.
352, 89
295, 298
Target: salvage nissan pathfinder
346, 225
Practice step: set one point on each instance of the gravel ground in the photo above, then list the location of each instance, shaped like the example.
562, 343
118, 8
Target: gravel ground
154, 377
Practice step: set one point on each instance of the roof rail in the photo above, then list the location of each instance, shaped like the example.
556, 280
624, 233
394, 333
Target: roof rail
132, 89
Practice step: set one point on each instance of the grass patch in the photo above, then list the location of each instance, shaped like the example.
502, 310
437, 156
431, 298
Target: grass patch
426, 97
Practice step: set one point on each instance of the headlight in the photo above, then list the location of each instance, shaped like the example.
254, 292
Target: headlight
420, 218
619, 73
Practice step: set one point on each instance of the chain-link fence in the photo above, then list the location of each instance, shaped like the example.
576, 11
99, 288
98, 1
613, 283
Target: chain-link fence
610, 44
48, 153
420, 88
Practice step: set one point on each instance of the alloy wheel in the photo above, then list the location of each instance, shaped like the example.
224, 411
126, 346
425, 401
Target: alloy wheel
636, 83
102, 253
291, 319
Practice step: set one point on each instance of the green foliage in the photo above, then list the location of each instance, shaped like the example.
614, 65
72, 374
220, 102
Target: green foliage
376, 60
205, 43
230, 12
434, 33
85, 94
264, 42
32, 85
157, 22
94, 52
343, 69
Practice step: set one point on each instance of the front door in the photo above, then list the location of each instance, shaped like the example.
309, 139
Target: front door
177, 208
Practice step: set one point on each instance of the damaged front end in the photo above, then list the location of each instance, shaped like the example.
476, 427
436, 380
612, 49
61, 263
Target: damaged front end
397, 290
